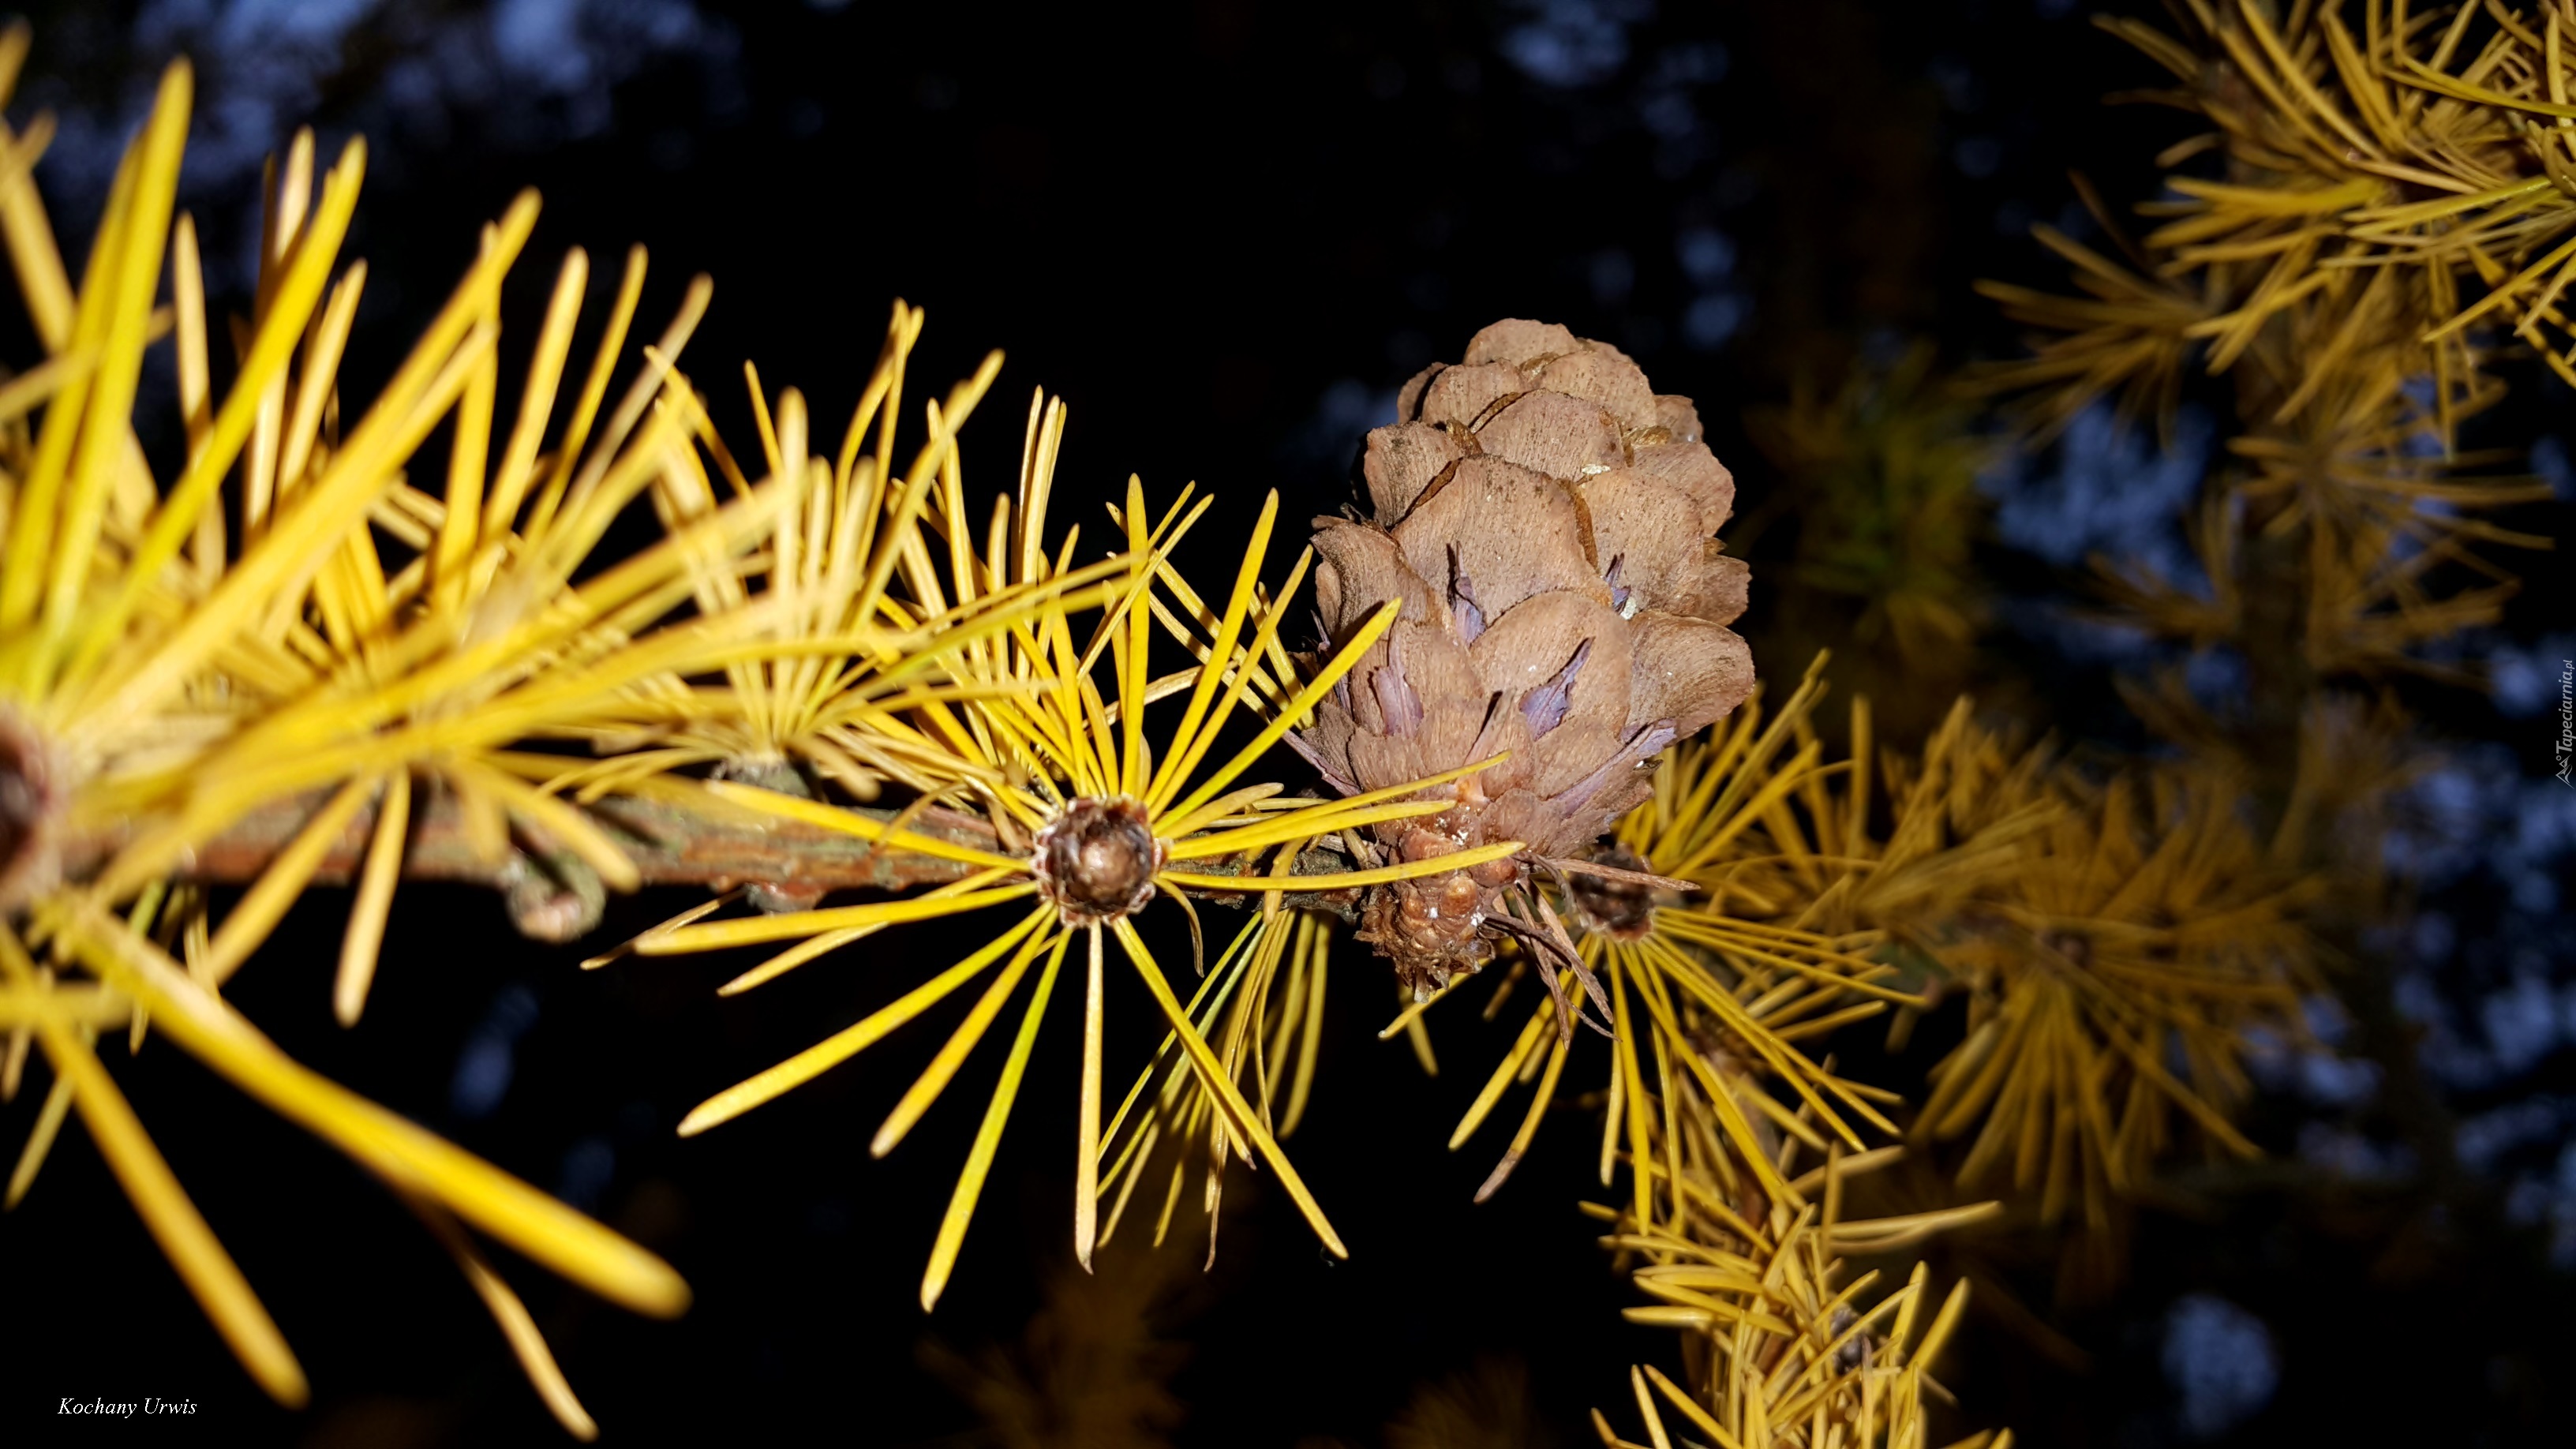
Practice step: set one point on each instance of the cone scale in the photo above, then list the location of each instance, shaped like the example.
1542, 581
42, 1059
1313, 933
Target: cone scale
1548, 523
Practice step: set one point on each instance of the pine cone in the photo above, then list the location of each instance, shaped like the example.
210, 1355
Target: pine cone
1547, 521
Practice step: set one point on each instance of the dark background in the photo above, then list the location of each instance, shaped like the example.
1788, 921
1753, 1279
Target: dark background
1225, 232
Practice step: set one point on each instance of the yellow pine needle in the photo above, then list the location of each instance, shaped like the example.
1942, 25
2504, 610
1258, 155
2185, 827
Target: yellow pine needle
1033, 713
1354, 879
1180, 757
1539, 1103
961, 1043
811, 812
288, 196
2326, 280
698, 912
282, 326
366, 931
1213, 1075
21, 394
1325, 817
1330, 674
1690, 1408
922, 476
1609, 1438
469, 453
1314, 946
499, 1204
569, 515
1140, 624
824, 1055
603, 364
50, 302
321, 360
794, 925
40, 1141
487, 827
988, 1137
1785, 1061
1411, 1015
1238, 806
88, 1007
1794, 1347
1086, 1187
570, 829
1646, 1407
115, 651
266, 902
124, 272
1711, 974
1721, 1097
432, 375
1302, 825
1214, 990
511, 480
517, 1325
1504, 1070
174, 1222
183, 1235
791, 958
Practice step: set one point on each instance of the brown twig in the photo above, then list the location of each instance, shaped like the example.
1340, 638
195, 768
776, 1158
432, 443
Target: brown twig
673, 841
